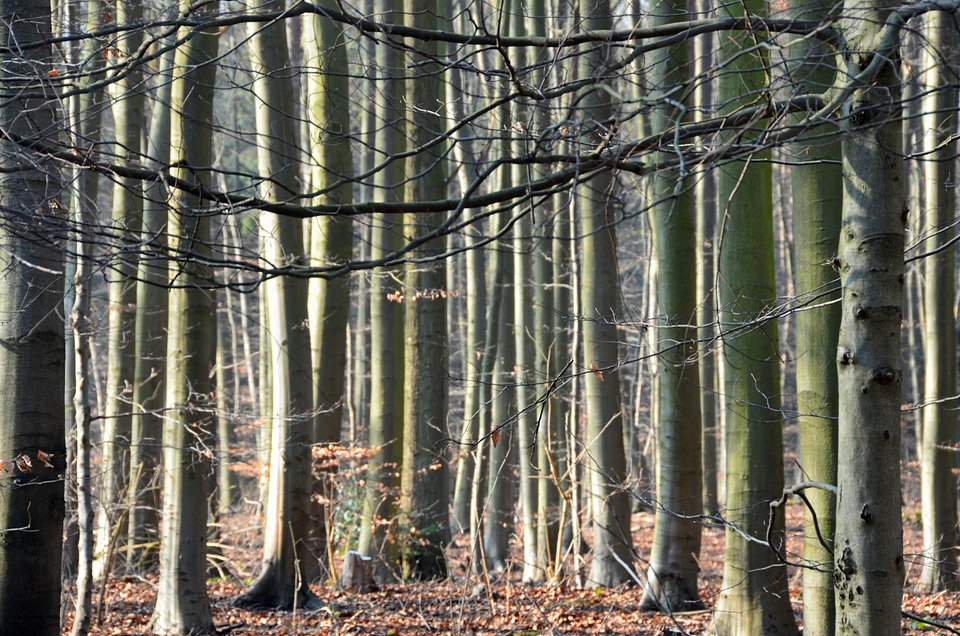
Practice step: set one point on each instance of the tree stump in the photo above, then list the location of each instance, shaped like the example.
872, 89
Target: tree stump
357, 573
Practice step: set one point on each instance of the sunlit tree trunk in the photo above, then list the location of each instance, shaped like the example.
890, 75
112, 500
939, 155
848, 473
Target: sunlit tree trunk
31, 333
424, 492
754, 597
87, 110
938, 483
182, 606
465, 152
80, 329
868, 550
706, 206
475, 292
332, 241
127, 101
817, 201
499, 504
283, 577
151, 346
673, 569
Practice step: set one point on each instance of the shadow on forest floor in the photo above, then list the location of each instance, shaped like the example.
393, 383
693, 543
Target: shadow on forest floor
465, 605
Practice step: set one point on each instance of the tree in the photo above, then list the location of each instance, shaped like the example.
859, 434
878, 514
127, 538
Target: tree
331, 242
938, 483
817, 202
569, 127
182, 605
612, 546
673, 570
283, 579
378, 536
755, 594
31, 330
151, 345
85, 111
423, 491
868, 549
125, 223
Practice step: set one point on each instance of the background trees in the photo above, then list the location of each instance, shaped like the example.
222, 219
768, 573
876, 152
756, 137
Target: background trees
531, 148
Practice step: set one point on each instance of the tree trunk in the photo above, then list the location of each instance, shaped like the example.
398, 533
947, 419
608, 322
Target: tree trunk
755, 596
500, 501
938, 484
127, 101
817, 202
285, 569
86, 115
31, 333
378, 536
706, 206
182, 605
424, 493
609, 505
332, 244
673, 569
151, 346
868, 552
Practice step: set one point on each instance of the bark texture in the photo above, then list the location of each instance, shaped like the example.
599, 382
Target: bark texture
31, 333
868, 550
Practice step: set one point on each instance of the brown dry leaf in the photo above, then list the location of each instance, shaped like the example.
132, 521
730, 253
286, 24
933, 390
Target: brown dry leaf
45, 458
24, 464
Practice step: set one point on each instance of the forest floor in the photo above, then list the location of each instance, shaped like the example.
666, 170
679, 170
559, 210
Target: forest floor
467, 605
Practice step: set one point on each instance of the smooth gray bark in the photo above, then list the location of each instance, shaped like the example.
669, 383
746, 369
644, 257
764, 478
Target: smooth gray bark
31, 332
868, 550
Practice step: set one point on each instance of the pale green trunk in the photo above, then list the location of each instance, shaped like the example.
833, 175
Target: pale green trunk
226, 439
182, 606
706, 206
938, 484
673, 568
465, 153
475, 292
754, 597
496, 275
817, 201
868, 550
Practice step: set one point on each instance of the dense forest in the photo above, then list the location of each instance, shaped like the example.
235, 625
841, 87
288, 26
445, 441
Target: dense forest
396, 278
